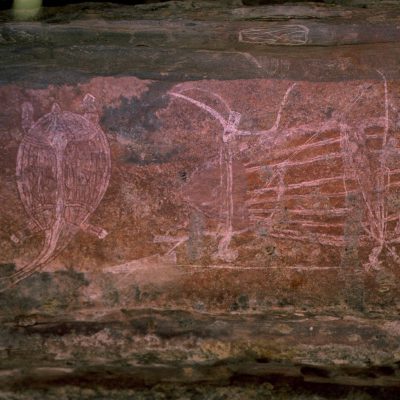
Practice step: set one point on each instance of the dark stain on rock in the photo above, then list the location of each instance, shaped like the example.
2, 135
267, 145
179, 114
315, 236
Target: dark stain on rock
183, 176
64, 328
195, 242
7, 269
136, 118
241, 303
137, 294
315, 371
151, 154
353, 282
135, 122
55, 291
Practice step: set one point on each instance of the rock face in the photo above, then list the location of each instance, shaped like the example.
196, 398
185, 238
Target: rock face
195, 192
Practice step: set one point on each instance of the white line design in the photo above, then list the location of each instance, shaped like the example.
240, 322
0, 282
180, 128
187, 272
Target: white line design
63, 171
345, 163
285, 35
230, 131
371, 170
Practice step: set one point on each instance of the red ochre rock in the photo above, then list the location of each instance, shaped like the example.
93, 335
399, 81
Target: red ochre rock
203, 230
276, 192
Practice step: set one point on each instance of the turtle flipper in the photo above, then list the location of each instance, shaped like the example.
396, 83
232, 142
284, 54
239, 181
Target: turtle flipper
25, 233
94, 230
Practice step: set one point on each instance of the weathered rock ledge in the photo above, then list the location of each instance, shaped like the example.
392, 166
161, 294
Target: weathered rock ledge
132, 349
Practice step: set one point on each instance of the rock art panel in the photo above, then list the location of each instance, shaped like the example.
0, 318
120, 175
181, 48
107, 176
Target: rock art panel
284, 185
63, 170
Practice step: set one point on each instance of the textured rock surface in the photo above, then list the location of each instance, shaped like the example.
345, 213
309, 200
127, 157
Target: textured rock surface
200, 193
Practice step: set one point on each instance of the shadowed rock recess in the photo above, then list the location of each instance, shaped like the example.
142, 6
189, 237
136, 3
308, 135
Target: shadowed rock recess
200, 200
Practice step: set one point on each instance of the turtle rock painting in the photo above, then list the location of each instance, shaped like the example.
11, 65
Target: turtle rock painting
63, 170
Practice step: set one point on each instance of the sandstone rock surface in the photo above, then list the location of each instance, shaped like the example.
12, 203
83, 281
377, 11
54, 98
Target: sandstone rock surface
195, 192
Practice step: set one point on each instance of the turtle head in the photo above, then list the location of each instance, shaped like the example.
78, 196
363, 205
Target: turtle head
90, 109
27, 116
56, 109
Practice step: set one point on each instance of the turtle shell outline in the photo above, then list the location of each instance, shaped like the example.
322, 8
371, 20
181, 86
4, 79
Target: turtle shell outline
63, 171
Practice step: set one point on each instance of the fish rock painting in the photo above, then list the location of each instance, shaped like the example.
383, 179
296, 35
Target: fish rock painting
320, 183
333, 184
63, 170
